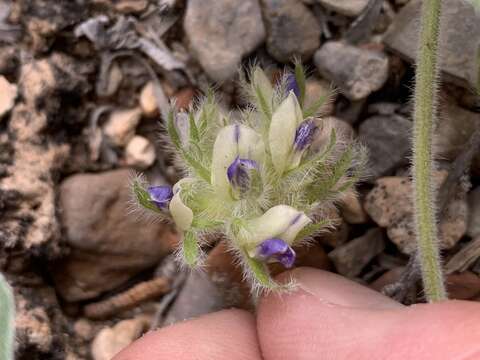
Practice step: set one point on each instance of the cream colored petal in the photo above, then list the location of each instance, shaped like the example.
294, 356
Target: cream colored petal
261, 81
292, 231
178, 185
233, 141
282, 131
281, 221
181, 213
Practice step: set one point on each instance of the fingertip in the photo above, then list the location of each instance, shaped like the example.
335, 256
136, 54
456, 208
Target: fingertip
320, 316
337, 290
226, 334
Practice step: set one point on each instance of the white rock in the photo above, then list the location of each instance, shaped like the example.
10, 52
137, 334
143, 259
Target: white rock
8, 94
148, 102
356, 71
111, 340
140, 152
345, 7
120, 126
221, 33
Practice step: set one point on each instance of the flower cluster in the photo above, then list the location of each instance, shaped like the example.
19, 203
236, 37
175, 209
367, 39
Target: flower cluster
262, 181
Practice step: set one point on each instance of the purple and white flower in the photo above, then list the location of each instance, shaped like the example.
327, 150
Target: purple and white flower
304, 135
239, 173
272, 234
276, 250
160, 195
292, 85
238, 150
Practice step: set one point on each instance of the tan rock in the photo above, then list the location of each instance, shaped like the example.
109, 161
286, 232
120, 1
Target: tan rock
460, 286
458, 39
36, 157
474, 213
108, 245
115, 78
131, 6
454, 131
317, 88
390, 206
148, 102
8, 94
84, 329
352, 209
388, 278
35, 324
356, 71
292, 29
41, 328
343, 132
463, 286
120, 126
350, 258
345, 7
111, 340
221, 33
140, 153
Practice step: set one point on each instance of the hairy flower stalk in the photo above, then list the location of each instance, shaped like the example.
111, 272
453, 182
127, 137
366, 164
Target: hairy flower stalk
256, 180
424, 115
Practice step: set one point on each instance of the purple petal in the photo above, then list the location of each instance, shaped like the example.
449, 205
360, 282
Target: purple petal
304, 134
288, 258
292, 85
238, 172
236, 133
160, 195
276, 249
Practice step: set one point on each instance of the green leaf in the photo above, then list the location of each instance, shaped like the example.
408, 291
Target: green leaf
191, 249
190, 160
260, 273
261, 92
324, 187
196, 166
7, 320
311, 229
205, 224
142, 197
192, 128
301, 80
313, 109
172, 130
265, 108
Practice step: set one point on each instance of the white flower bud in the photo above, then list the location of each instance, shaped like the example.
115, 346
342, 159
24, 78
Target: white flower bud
181, 213
283, 127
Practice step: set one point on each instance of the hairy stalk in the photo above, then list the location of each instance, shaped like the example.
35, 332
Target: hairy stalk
424, 116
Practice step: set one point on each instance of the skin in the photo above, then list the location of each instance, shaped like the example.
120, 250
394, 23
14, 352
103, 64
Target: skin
326, 317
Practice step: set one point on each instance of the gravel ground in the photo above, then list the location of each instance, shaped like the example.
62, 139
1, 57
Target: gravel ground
83, 86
